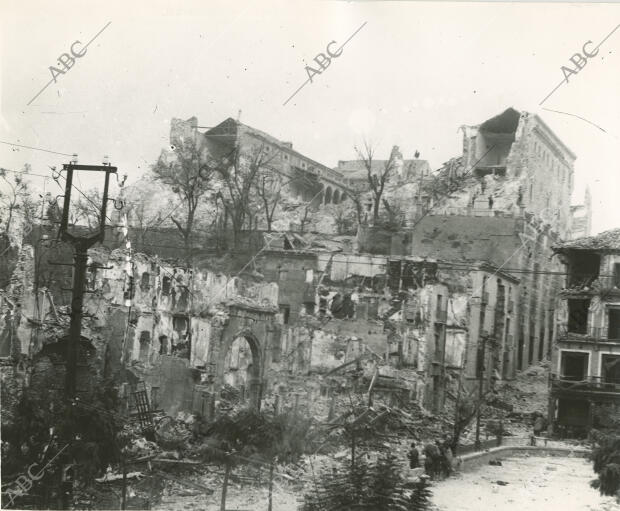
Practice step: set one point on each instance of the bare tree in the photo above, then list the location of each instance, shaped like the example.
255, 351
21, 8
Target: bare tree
143, 218
344, 214
191, 177
376, 180
241, 173
269, 186
15, 200
86, 209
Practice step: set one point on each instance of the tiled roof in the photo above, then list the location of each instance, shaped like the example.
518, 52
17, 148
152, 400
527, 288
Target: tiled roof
608, 240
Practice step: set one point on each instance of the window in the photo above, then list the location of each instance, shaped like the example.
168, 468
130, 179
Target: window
163, 345
617, 274
145, 281
309, 276
145, 345
610, 368
165, 286
440, 341
574, 365
285, 310
613, 325
439, 304
578, 316
286, 156
129, 289
180, 324
282, 274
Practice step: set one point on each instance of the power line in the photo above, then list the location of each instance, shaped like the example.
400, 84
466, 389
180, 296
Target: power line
34, 148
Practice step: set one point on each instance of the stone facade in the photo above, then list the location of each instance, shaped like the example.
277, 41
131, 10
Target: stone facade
585, 385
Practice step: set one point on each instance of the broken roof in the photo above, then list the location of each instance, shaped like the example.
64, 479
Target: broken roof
229, 125
605, 241
506, 122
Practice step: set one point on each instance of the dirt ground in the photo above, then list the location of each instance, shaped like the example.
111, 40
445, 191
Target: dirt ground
524, 484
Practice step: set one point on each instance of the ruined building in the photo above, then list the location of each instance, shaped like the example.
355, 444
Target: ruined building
304, 176
465, 290
505, 209
585, 384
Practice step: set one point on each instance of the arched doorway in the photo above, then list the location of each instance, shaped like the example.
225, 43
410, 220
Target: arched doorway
240, 366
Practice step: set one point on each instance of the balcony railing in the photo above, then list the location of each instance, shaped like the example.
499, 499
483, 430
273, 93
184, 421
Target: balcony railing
594, 334
593, 284
588, 383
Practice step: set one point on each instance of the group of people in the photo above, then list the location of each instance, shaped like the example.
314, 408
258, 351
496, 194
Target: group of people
438, 458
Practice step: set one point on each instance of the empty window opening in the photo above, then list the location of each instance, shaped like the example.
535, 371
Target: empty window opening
578, 315
145, 345
145, 281
164, 347
541, 343
165, 286
613, 325
183, 298
574, 365
180, 323
285, 310
610, 369
617, 275
583, 268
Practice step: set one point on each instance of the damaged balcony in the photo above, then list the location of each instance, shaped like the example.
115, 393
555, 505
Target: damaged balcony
594, 384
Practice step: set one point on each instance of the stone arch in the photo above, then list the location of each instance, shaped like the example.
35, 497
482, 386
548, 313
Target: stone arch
336, 196
328, 195
254, 369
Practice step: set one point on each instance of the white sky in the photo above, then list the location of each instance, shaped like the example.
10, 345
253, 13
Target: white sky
410, 77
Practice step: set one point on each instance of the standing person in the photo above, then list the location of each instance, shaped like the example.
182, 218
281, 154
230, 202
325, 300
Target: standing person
442, 465
539, 424
448, 454
414, 456
431, 463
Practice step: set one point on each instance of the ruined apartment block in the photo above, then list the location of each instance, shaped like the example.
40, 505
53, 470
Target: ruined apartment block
585, 384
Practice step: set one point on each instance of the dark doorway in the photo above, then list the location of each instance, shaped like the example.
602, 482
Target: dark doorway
573, 412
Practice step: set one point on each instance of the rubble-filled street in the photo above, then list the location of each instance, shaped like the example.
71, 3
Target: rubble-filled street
524, 484
309, 256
